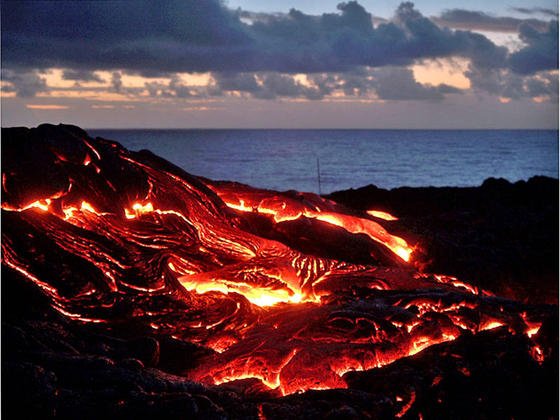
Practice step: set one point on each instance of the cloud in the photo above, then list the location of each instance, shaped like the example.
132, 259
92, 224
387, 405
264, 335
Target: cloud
541, 52
46, 107
134, 35
275, 84
96, 106
81, 76
175, 88
536, 10
256, 55
116, 82
544, 85
399, 84
154, 88
178, 88
240, 82
480, 21
265, 85
25, 84
390, 83
197, 36
506, 84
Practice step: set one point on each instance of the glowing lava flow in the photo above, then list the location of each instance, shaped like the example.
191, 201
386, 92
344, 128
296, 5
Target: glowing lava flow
382, 215
284, 209
131, 238
258, 296
138, 209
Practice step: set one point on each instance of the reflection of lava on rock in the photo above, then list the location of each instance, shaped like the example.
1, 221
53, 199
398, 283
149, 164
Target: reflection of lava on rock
290, 289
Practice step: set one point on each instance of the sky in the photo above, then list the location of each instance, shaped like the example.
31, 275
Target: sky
280, 64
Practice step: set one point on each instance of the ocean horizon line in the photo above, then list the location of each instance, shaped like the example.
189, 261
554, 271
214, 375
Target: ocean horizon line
315, 129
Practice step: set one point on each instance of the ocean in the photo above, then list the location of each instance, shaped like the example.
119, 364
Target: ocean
289, 159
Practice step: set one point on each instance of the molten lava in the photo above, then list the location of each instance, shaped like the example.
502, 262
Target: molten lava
121, 237
283, 209
382, 215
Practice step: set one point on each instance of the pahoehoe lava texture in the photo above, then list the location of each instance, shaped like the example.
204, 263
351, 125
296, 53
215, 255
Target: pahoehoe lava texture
131, 288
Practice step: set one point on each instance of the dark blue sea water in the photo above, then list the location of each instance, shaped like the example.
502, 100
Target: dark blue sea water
287, 159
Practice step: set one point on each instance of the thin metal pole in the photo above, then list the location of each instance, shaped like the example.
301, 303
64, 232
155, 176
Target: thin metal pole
319, 175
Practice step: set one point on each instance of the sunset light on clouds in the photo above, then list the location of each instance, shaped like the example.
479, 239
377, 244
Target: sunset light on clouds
105, 64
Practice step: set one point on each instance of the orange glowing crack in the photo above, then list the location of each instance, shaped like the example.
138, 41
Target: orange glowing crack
406, 406
92, 149
532, 327
46, 287
490, 325
271, 380
456, 283
260, 296
78, 317
41, 204
85, 207
531, 331
138, 209
537, 354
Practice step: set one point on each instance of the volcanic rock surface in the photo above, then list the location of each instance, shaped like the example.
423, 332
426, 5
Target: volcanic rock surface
133, 289
502, 236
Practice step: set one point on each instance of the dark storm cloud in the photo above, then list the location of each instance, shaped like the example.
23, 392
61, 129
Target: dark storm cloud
147, 37
137, 35
473, 20
541, 51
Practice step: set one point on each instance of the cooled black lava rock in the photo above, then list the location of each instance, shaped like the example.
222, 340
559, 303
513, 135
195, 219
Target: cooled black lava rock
501, 236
